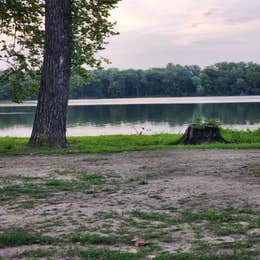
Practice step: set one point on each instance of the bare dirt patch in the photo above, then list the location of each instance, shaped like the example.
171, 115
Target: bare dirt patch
177, 200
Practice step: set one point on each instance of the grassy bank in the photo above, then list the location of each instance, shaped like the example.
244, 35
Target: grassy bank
119, 143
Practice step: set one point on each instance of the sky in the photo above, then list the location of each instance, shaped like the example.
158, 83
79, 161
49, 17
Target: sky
156, 32
203, 32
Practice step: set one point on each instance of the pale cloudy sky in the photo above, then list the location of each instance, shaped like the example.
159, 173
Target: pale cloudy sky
203, 32
155, 32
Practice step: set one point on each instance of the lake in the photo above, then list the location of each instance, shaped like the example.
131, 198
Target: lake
134, 116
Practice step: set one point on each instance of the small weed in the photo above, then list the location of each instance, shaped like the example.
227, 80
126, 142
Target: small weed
131, 222
254, 222
198, 231
226, 229
166, 238
27, 204
201, 246
38, 253
201, 122
154, 216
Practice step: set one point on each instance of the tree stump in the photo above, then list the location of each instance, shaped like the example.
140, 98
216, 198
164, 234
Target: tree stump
196, 134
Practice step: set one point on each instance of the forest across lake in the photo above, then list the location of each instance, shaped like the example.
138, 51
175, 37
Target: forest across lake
221, 79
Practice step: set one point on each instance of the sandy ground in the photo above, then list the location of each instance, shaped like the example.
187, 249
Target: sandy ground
148, 181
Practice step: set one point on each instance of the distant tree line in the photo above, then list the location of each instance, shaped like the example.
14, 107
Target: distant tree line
221, 79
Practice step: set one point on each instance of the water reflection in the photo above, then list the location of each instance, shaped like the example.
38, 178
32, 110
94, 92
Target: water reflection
172, 114
129, 119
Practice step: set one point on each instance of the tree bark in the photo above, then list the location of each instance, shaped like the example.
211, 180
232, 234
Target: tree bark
50, 120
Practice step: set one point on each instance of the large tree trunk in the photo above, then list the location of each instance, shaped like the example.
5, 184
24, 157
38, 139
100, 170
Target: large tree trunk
50, 120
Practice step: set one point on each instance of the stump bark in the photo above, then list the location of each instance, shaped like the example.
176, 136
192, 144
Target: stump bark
201, 135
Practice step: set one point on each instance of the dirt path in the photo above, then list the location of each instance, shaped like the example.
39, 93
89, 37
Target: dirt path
163, 182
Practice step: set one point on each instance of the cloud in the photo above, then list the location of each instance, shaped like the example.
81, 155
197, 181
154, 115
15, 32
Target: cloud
154, 32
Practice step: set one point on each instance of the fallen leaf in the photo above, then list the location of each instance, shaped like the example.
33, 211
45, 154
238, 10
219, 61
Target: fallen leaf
139, 242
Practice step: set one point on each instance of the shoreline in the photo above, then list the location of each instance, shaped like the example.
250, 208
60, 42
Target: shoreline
147, 101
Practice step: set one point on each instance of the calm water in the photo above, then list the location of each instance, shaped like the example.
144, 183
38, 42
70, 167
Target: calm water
131, 119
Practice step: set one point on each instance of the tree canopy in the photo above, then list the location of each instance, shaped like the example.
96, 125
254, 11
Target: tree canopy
51, 40
22, 40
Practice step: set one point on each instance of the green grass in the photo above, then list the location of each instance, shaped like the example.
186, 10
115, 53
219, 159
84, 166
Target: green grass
253, 171
239, 137
119, 143
83, 244
36, 254
20, 237
230, 216
190, 256
104, 254
82, 182
107, 254
27, 204
227, 229
220, 221
154, 216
